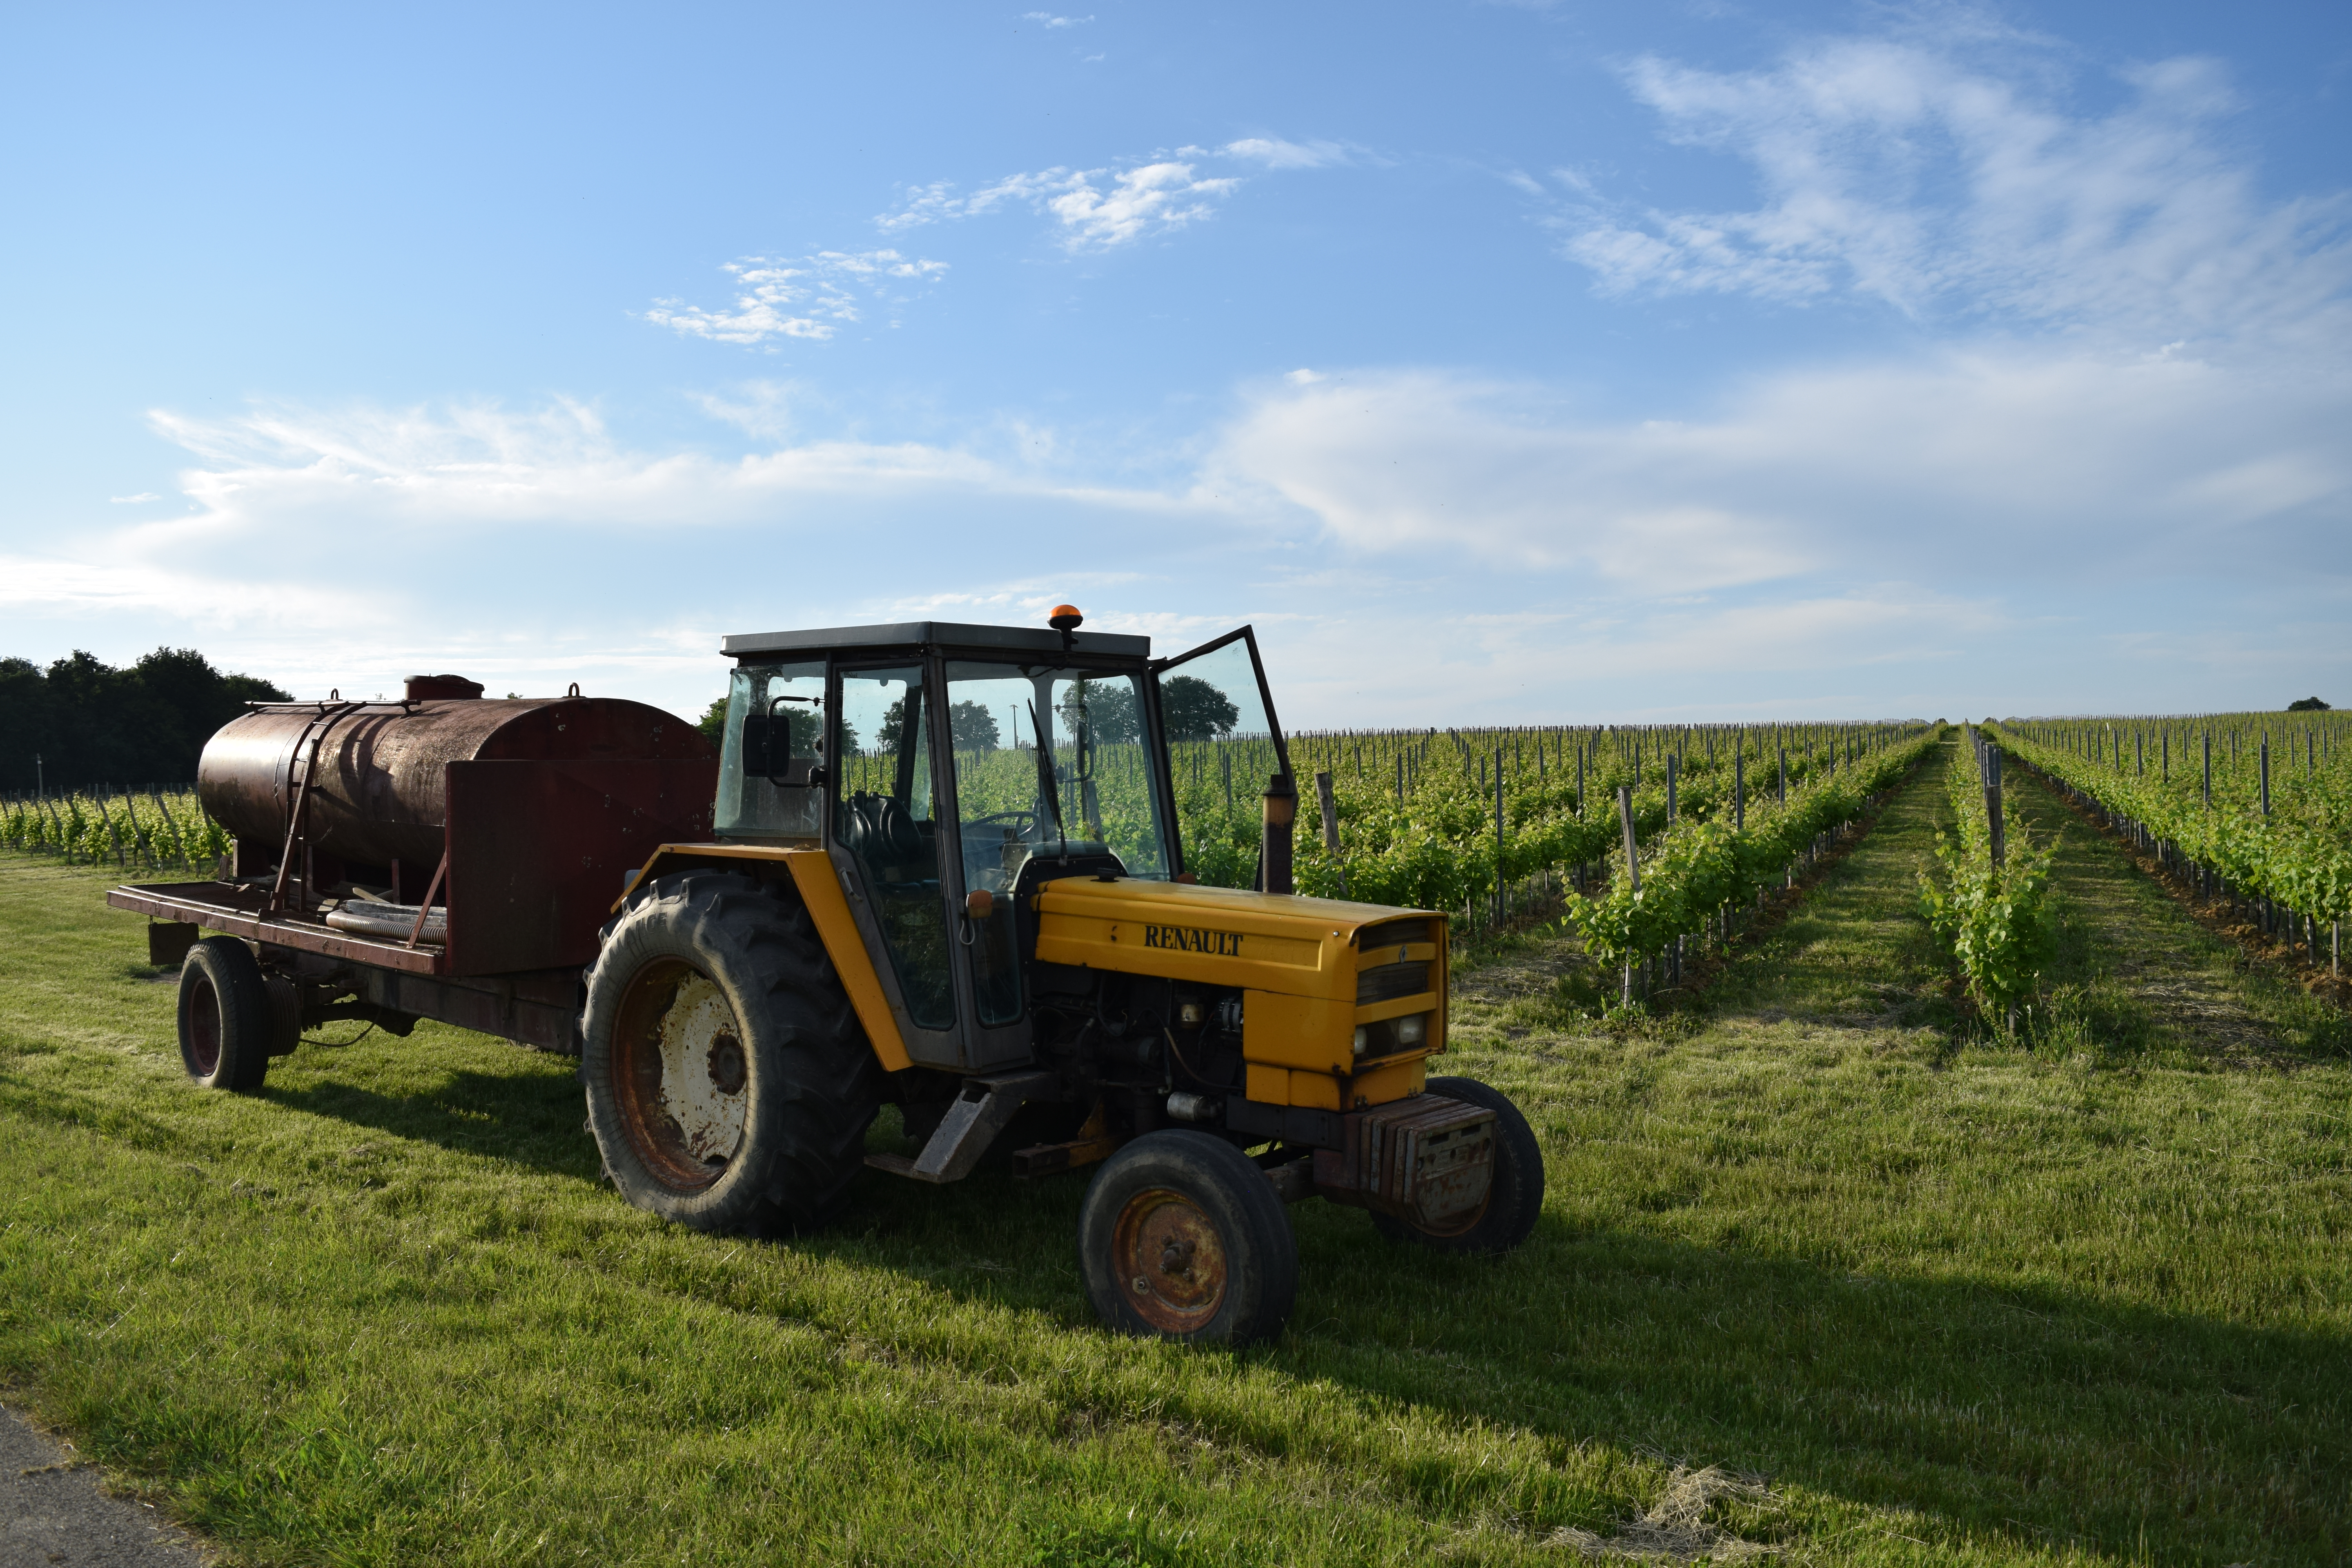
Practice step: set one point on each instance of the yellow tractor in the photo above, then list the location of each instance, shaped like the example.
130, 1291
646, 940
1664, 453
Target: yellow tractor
947, 872
942, 868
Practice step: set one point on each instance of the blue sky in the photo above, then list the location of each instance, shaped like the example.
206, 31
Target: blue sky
1502, 364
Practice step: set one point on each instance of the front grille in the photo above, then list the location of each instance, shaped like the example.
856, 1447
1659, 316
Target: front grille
1395, 933
1391, 981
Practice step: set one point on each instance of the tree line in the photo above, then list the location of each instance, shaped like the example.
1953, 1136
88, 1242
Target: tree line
82, 721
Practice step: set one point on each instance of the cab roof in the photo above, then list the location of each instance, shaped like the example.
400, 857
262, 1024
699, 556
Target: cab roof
938, 634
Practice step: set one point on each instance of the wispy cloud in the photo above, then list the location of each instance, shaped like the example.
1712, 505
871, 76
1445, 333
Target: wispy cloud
1099, 209
135, 501
1943, 176
1093, 209
1277, 154
1050, 20
270, 472
2087, 464
812, 297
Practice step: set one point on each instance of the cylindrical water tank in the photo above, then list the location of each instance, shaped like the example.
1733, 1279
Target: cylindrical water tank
379, 795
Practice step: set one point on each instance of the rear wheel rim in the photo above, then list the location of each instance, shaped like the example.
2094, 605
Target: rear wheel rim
1171, 1261
204, 1045
681, 1075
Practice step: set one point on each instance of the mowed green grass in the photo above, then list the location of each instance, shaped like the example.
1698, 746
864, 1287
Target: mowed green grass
1959, 1303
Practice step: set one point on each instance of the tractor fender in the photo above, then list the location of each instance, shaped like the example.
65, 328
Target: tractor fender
819, 885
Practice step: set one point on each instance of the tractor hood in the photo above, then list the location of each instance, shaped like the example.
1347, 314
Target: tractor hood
1229, 937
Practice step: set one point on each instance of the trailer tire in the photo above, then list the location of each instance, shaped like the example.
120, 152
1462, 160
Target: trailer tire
1181, 1236
1515, 1200
227, 1022
729, 1083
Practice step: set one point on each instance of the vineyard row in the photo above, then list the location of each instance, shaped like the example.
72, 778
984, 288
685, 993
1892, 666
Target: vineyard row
155, 827
2270, 829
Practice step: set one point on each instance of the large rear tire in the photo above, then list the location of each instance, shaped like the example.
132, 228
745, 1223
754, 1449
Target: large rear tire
729, 1083
1513, 1201
1182, 1235
228, 1024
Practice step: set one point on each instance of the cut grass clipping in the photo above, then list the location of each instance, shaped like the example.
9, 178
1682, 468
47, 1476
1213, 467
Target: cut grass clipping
1961, 1302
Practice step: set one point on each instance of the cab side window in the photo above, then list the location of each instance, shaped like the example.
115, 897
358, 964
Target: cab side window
771, 758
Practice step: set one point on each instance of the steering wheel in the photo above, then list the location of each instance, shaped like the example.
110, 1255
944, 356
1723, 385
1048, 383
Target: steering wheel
1024, 822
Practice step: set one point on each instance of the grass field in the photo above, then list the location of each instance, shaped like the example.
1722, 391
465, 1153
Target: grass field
1937, 1301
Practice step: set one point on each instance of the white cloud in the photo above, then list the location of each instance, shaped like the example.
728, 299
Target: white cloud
1979, 463
135, 501
1277, 154
1944, 177
1094, 209
303, 481
812, 297
1050, 20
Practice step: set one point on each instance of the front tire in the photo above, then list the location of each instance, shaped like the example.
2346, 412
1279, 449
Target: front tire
226, 1021
1182, 1235
1514, 1200
729, 1084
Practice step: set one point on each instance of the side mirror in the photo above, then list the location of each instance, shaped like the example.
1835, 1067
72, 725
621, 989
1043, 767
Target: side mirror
768, 746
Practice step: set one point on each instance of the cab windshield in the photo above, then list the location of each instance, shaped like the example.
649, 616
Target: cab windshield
771, 758
1049, 756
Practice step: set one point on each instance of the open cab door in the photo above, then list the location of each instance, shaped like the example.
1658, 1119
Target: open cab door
1224, 748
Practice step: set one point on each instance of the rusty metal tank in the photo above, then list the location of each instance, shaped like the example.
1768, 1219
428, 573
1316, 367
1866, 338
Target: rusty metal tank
379, 794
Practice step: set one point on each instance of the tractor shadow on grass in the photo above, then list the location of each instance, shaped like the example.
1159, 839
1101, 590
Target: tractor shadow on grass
533, 1120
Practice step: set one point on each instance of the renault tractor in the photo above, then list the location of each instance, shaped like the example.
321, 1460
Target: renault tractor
933, 867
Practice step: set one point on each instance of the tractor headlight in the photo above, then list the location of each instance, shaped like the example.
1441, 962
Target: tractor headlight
1413, 1029
1363, 1038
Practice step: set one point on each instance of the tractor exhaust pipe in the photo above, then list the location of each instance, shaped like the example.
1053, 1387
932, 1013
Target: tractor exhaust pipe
1273, 844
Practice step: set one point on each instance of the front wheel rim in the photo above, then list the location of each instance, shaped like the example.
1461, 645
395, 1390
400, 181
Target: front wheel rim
680, 1075
1171, 1261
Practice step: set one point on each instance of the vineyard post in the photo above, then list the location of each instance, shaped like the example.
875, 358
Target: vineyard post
1992, 805
2266, 772
185, 864
1633, 874
1331, 826
1739, 786
1502, 888
2209, 769
1784, 771
97, 798
131, 816
1670, 791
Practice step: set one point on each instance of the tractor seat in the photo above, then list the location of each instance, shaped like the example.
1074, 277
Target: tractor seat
883, 833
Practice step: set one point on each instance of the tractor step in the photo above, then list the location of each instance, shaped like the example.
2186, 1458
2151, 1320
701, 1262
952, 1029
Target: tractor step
984, 1110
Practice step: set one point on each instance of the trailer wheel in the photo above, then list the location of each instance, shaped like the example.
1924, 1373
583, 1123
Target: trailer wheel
1182, 1235
227, 1022
729, 1083
1515, 1199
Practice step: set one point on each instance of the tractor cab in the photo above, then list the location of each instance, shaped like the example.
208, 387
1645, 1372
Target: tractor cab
949, 769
